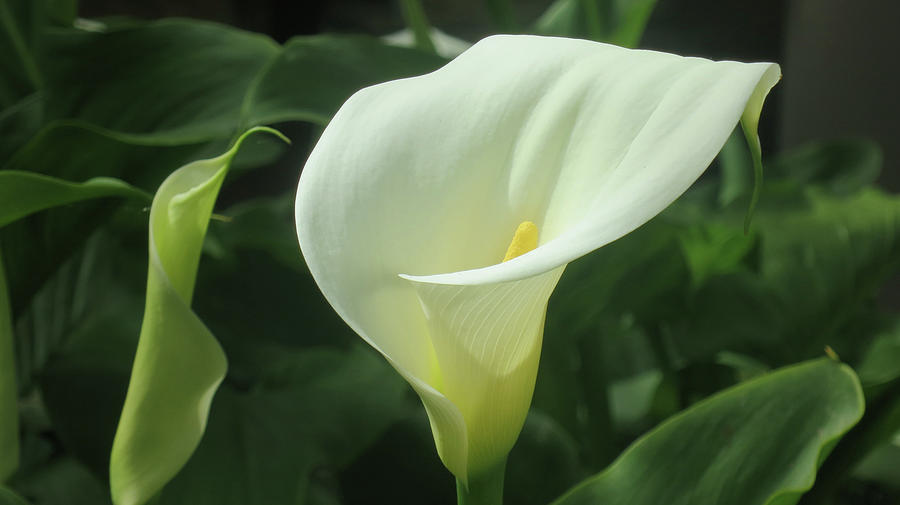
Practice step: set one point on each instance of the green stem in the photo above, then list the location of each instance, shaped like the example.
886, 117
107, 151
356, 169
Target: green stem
415, 18
485, 489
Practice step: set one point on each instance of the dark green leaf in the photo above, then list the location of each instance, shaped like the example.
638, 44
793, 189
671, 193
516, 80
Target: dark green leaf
23, 193
823, 262
543, 462
19, 75
316, 412
8, 497
882, 465
881, 362
18, 123
208, 81
313, 76
62, 481
195, 74
757, 443
842, 166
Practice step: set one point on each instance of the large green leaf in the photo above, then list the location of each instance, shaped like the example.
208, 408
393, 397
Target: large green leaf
209, 81
258, 241
179, 364
22, 193
823, 262
313, 76
689, 293
313, 413
757, 443
213, 80
195, 74
595, 316
35, 247
9, 405
205, 82
308, 414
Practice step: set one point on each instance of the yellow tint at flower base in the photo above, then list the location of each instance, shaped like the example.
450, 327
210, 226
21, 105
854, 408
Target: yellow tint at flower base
406, 205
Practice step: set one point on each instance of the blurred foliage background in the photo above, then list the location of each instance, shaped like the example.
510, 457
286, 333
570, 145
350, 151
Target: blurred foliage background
684, 307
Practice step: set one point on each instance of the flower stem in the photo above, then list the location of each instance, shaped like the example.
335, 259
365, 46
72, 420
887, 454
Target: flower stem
485, 489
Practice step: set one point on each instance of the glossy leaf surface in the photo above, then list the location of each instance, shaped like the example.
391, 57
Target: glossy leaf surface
757, 443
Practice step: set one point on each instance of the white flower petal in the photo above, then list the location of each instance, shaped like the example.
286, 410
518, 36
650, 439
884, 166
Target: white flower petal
487, 339
430, 176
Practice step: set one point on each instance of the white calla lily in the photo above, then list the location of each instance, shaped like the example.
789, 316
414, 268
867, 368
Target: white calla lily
412, 195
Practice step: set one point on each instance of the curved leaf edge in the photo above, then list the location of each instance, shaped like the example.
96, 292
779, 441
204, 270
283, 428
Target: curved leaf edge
824, 448
126, 488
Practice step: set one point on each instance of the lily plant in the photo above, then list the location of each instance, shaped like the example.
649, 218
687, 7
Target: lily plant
437, 213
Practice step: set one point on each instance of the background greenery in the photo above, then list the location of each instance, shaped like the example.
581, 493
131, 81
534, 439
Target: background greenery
669, 335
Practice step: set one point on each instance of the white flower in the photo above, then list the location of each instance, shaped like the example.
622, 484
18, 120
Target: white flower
410, 200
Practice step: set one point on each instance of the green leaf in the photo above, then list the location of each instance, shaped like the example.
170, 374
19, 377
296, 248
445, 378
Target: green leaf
881, 424
179, 364
23, 193
313, 76
62, 481
9, 393
258, 240
61, 12
842, 167
18, 123
562, 18
757, 443
414, 15
711, 248
880, 364
822, 262
22, 26
543, 462
8, 497
314, 412
196, 75
619, 22
19, 75
104, 131
882, 465
83, 385
632, 17
209, 81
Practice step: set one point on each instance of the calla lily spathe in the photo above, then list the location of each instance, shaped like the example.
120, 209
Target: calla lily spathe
411, 197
